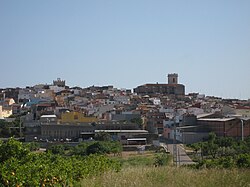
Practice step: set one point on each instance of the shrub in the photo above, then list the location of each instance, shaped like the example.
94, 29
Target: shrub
243, 160
226, 162
161, 159
33, 146
56, 149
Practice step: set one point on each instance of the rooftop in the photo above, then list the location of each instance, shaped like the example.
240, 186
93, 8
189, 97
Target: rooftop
122, 131
156, 84
48, 116
203, 115
216, 119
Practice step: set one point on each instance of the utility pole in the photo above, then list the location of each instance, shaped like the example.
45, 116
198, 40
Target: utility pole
20, 126
22, 119
174, 145
179, 158
242, 129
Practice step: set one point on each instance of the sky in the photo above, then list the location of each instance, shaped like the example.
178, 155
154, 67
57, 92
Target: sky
127, 43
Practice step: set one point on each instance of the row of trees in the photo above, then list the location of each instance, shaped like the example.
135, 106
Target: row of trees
87, 148
222, 152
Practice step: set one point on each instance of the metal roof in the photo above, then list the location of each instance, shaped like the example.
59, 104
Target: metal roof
136, 139
187, 127
204, 115
48, 116
87, 133
216, 119
123, 131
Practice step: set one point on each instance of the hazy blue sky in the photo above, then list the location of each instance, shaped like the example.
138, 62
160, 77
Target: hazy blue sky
127, 43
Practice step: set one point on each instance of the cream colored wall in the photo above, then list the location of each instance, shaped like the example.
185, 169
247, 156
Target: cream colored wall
243, 112
11, 101
5, 113
76, 117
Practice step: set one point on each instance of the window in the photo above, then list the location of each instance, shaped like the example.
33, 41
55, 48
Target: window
75, 117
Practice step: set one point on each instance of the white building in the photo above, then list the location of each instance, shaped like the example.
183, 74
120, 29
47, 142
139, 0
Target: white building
122, 99
155, 101
195, 111
26, 94
56, 88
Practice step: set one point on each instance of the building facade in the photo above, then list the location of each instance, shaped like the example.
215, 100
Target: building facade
76, 117
172, 88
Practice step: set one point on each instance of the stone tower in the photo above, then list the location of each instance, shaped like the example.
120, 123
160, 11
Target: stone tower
59, 82
173, 78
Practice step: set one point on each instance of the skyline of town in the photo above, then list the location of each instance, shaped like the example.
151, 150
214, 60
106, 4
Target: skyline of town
57, 111
123, 88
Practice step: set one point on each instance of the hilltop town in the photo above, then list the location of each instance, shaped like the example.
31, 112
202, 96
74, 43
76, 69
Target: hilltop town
57, 112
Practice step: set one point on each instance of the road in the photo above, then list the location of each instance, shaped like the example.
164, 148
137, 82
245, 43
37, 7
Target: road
182, 157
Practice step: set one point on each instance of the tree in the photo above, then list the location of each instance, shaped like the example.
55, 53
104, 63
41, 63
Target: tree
211, 146
96, 148
213, 149
211, 137
103, 136
12, 148
115, 147
196, 147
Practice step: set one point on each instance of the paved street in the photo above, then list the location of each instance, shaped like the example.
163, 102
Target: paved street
182, 157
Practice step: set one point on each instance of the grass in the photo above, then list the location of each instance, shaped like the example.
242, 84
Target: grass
132, 160
169, 176
138, 171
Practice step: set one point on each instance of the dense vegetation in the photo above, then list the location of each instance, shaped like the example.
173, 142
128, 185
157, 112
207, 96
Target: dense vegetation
8, 129
222, 152
87, 148
62, 165
97, 163
21, 167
